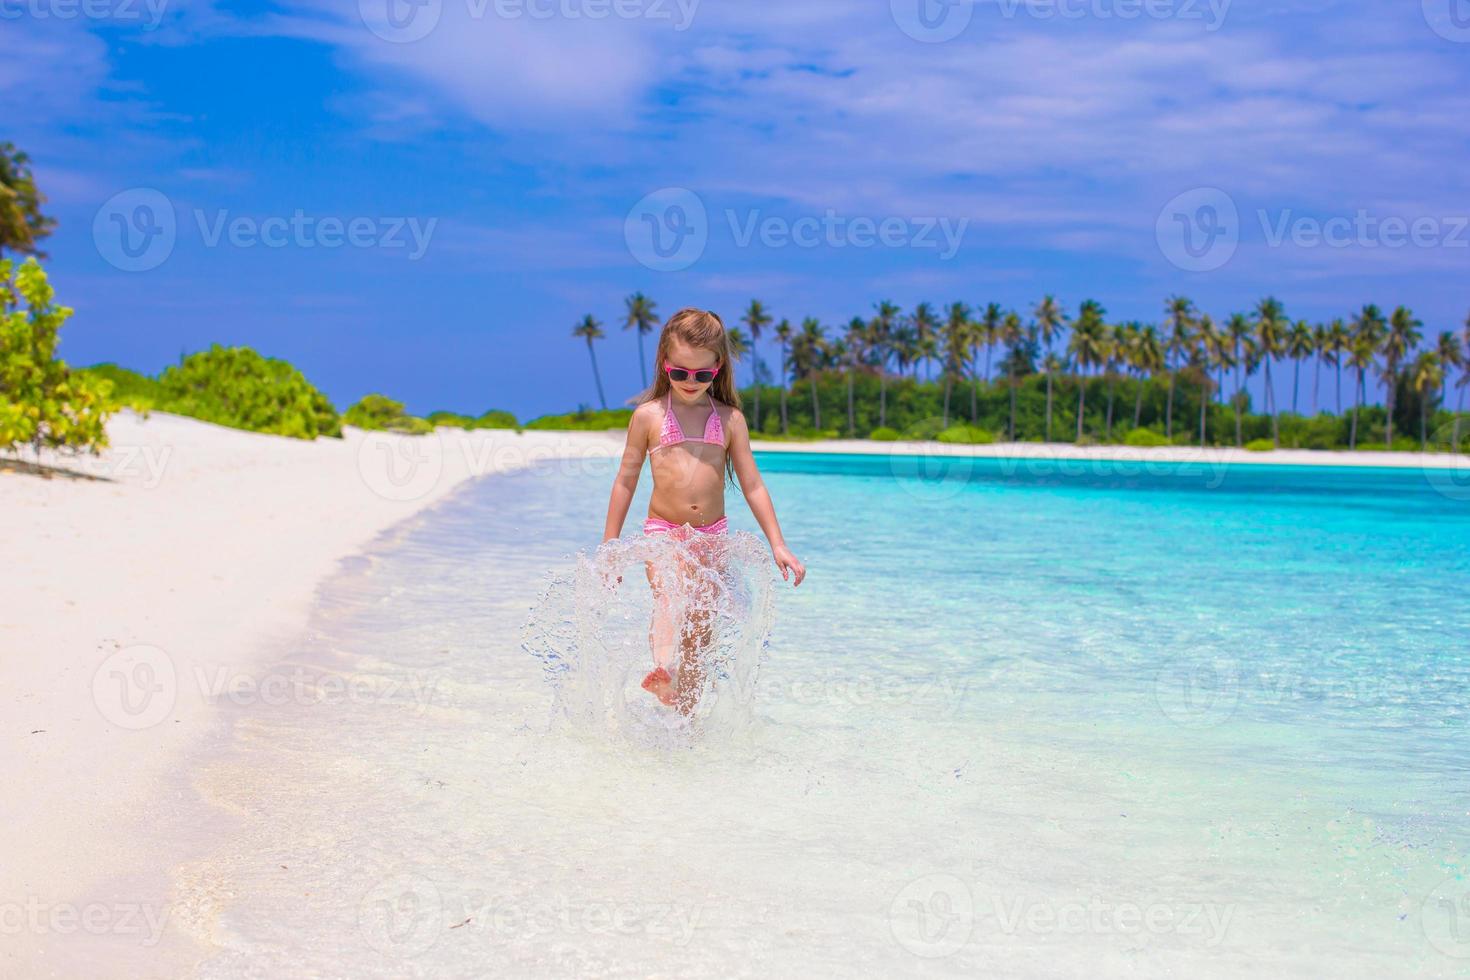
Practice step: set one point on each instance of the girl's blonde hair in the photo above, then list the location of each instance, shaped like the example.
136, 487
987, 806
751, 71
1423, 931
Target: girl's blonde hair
702, 330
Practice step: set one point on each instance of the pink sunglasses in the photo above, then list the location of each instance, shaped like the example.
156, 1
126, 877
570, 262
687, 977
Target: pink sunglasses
703, 377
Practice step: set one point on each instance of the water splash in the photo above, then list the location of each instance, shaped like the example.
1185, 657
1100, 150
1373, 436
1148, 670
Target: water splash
700, 606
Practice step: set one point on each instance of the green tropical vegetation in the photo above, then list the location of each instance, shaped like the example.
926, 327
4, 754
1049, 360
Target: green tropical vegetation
237, 387
984, 373
22, 225
43, 403
381, 413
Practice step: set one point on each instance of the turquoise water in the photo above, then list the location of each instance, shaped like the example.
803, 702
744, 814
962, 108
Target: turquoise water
1022, 719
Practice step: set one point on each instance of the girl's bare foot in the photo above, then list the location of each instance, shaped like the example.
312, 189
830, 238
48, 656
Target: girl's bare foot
660, 685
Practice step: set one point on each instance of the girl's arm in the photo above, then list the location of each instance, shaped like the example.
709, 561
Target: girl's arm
759, 498
626, 482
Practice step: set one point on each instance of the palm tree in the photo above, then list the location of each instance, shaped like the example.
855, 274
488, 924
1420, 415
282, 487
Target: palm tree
739, 343
783, 334
1300, 345
1088, 347
1011, 334
1319, 354
990, 331
956, 344
1427, 377
1368, 328
1336, 346
1239, 329
589, 330
1402, 337
1271, 327
1178, 326
1148, 360
641, 316
1450, 356
1224, 359
756, 319
855, 346
1209, 352
925, 325
926, 349
1050, 321
905, 347
882, 329
1113, 350
811, 344
1464, 381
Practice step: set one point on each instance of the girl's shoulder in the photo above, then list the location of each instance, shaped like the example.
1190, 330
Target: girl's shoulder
728, 413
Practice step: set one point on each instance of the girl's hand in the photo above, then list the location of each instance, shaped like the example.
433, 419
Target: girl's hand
788, 564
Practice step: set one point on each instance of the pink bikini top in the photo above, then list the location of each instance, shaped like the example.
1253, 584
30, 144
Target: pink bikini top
673, 433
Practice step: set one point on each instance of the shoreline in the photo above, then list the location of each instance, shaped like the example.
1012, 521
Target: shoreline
178, 564
1061, 451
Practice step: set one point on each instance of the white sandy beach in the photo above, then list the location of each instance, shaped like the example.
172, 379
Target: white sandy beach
191, 548
188, 547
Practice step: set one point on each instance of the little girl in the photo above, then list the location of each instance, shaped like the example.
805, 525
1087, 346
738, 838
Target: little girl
693, 392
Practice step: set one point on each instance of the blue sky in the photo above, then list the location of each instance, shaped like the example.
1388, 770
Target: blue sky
1066, 147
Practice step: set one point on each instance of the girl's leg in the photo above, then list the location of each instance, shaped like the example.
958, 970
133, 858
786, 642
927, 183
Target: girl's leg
662, 640
697, 634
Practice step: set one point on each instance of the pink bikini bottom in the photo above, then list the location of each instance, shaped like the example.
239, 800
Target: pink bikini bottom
657, 525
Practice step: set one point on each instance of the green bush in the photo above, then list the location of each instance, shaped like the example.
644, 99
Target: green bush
129, 388
493, 419
379, 412
883, 434
585, 420
966, 435
1260, 446
42, 402
236, 387
374, 412
924, 430
1145, 438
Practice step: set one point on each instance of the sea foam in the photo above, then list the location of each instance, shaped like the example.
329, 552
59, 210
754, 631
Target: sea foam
599, 627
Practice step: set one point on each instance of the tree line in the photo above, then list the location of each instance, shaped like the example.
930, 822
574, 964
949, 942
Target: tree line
982, 350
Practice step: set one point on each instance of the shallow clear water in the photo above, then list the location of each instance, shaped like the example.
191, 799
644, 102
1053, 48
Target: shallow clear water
1022, 719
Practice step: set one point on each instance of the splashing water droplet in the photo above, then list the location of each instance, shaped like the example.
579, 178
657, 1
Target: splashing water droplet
700, 606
